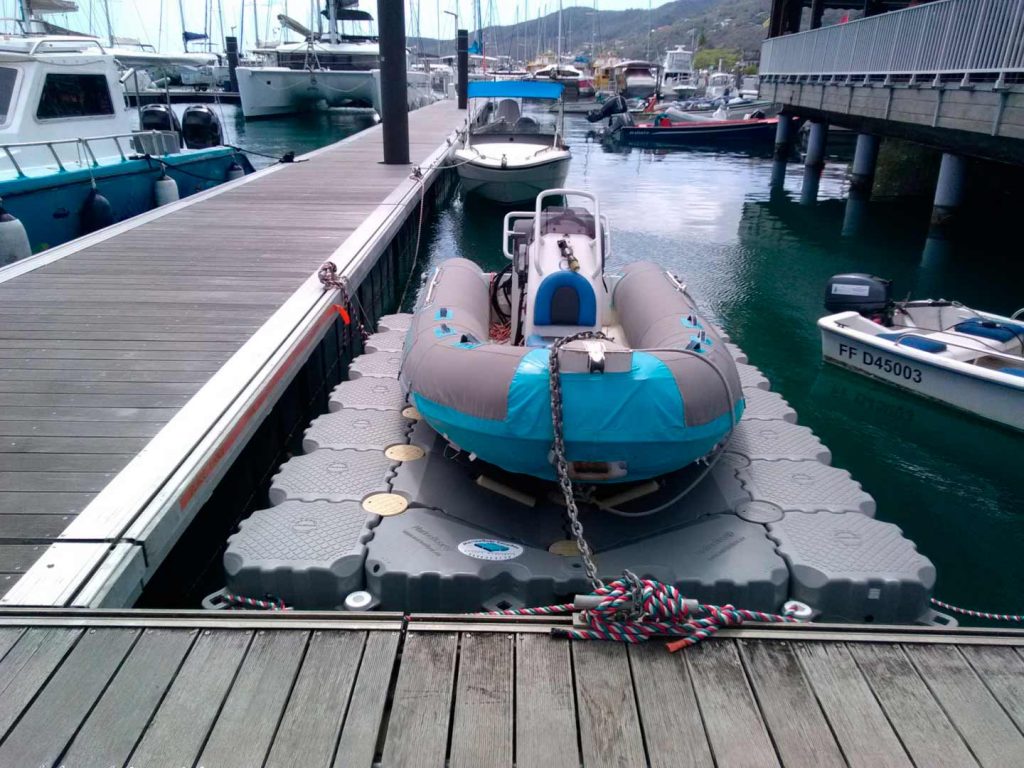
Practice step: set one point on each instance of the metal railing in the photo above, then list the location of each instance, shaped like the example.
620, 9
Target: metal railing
944, 41
142, 142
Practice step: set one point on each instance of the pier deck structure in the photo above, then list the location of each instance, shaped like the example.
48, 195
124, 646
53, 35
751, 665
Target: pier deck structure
224, 689
136, 362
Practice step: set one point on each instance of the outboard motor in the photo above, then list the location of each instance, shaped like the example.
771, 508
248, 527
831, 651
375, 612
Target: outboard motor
200, 128
159, 117
614, 106
859, 292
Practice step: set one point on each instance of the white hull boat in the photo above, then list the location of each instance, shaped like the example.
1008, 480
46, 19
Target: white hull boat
507, 157
272, 91
941, 350
511, 172
323, 71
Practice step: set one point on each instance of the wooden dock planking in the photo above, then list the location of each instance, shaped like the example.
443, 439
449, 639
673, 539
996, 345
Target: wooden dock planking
101, 348
313, 690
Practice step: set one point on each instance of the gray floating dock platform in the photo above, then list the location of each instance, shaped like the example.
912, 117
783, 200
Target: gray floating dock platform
237, 689
773, 521
136, 362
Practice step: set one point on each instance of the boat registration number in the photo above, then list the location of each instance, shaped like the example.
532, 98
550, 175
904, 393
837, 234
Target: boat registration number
882, 363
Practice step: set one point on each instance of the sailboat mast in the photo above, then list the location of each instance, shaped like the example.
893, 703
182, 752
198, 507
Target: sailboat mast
110, 28
558, 54
181, 12
255, 25
220, 21
332, 21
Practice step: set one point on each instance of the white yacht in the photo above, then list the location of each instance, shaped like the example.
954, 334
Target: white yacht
341, 68
677, 72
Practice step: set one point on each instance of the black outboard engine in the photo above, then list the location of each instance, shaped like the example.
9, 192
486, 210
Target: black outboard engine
159, 117
859, 292
614, 106
200, 128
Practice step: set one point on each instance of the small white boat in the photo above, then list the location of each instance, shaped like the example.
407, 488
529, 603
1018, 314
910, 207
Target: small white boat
507, 156
941, 349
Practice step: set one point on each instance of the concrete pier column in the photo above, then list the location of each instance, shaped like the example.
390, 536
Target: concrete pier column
949, 192
783, 149
394, 85
865, 157
862, 177
814, 162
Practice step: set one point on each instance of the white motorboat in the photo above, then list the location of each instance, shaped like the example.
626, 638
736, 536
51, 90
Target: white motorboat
342, 69
677, 72
636, 79
721, 85
509, 157
941, 349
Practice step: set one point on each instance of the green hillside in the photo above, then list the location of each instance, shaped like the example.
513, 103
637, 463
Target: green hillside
737, 25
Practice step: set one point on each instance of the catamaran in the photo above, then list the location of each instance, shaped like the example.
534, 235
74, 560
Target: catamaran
339, 69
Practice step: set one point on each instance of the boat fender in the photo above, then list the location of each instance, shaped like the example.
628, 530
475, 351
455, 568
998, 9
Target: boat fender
165, 190
14, 244
96, 213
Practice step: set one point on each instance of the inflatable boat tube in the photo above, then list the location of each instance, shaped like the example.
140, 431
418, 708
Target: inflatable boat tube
647, 413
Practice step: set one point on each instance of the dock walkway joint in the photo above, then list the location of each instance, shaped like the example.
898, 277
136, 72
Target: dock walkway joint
135, 362
223, 689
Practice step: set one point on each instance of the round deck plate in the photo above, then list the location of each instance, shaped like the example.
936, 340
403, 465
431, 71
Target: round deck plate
385, 504
564, 548
411, 412
404, 452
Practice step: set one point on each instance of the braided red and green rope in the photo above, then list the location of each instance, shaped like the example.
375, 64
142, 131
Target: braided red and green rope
978, 614
252, 602
662, 612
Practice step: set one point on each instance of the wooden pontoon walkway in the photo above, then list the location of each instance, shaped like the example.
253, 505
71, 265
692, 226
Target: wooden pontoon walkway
219, 690
103, 342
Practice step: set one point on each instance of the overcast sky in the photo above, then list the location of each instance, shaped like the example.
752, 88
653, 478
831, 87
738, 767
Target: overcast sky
142, 18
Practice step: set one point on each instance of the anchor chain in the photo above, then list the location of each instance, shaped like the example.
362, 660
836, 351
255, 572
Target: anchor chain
558, 449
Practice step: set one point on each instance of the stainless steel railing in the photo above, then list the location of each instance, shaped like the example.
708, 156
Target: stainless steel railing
943, 40
141, 142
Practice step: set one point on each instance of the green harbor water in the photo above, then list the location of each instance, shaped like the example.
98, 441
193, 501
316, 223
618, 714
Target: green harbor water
758, 263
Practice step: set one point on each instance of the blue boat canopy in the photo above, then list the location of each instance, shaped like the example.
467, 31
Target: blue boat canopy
514, 89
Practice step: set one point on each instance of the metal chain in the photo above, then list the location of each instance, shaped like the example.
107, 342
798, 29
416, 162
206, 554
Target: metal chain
329, 278
558, 448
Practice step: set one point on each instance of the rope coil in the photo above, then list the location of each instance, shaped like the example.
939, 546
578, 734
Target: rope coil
634, 610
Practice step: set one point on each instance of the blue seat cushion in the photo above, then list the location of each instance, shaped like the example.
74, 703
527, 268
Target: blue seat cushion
988, 329
565, 298
915, 342
1013, 371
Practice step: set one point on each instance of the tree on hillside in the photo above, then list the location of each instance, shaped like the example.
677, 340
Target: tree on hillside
707, 58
